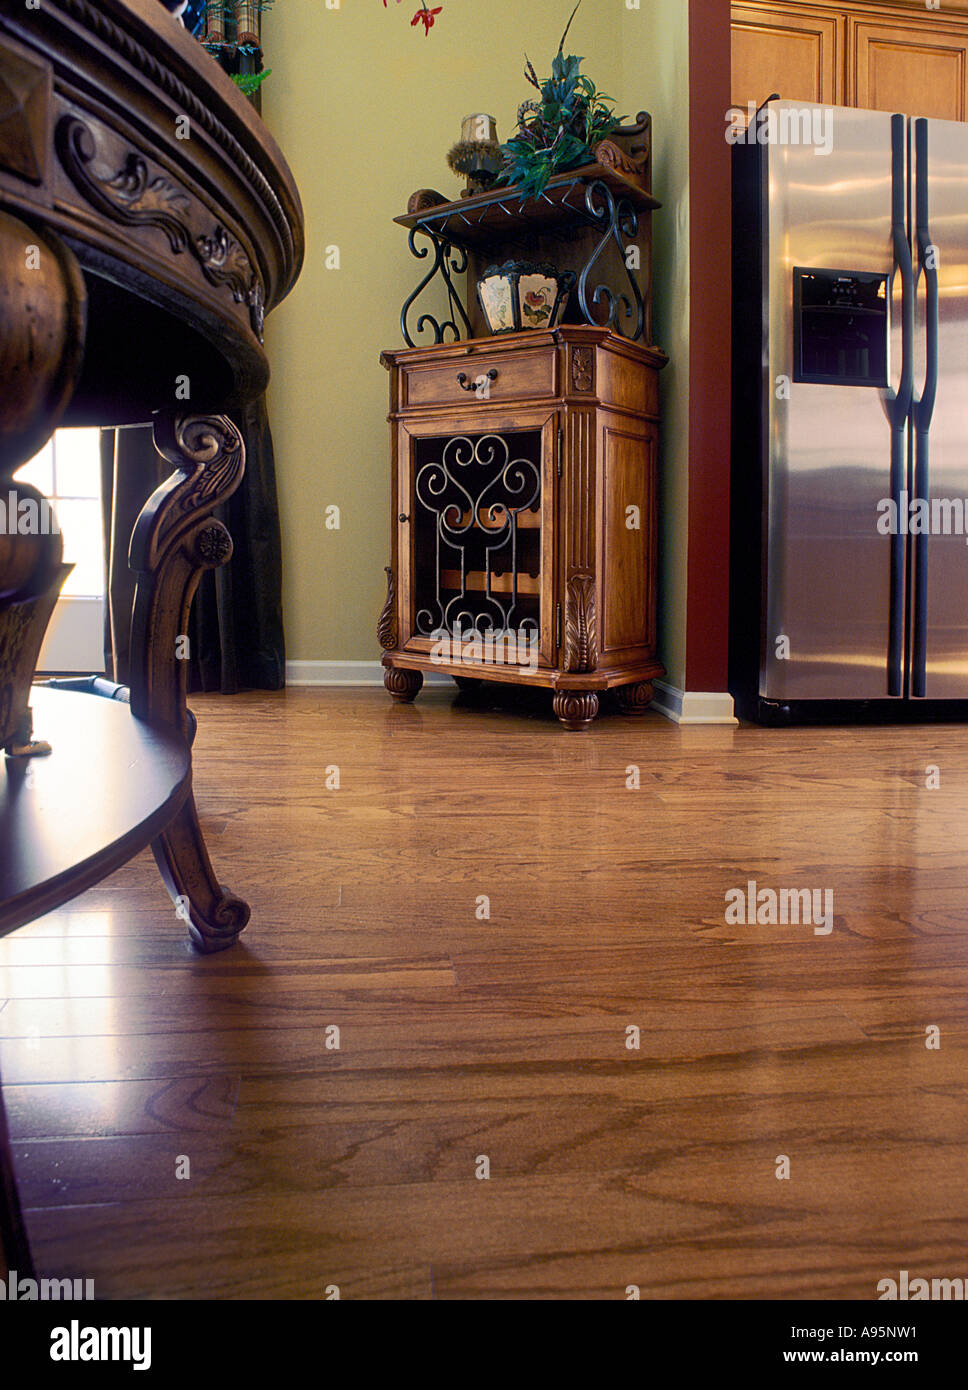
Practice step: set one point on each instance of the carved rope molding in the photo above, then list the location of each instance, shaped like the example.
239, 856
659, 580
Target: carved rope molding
93, 18
135, 197
581, 641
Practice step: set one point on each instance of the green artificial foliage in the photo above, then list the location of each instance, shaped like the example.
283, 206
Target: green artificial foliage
560, 131
249, 82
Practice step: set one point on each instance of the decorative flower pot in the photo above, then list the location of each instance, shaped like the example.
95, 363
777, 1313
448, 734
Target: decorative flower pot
523, 295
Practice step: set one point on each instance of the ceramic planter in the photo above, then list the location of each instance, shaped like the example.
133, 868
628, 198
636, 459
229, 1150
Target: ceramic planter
523, 295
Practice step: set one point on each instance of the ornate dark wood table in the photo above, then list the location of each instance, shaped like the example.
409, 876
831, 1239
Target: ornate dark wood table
148, 222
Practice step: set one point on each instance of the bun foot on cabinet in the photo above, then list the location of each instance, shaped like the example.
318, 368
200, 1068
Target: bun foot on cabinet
575, 708
402, 684
634, 699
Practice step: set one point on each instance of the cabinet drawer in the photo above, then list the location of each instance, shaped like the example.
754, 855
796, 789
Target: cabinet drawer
518, 376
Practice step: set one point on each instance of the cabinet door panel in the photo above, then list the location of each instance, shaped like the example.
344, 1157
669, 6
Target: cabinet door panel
628, 538
919, 71
792, 52
475, 526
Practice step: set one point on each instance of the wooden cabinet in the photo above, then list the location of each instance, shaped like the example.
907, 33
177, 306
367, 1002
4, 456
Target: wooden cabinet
796, 52
524, 496
882, 57
915, 66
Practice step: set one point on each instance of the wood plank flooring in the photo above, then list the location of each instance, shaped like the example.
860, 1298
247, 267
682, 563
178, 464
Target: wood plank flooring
465, 1037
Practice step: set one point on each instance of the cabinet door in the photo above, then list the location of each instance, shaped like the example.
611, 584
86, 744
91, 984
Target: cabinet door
475, 537
794, 51
628, 523
917, 69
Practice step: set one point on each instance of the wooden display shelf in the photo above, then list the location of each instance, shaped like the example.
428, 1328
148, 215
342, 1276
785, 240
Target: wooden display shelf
524, 521
480, 220
594, 443
476, 581
584, 218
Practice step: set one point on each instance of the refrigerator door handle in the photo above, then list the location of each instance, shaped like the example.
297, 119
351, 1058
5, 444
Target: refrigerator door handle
924, 407
899, 403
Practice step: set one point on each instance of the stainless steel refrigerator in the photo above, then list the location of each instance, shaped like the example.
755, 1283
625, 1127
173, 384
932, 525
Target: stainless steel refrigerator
850, 413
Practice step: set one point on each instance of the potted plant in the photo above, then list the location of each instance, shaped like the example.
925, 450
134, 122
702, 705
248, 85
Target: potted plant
559, 131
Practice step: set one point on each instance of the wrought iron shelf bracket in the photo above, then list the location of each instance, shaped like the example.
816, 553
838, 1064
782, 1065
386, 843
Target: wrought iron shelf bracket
617, 219
449, 259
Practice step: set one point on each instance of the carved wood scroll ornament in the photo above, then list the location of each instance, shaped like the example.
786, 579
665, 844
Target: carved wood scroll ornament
386, 628
135, 197
582, 359
581, 642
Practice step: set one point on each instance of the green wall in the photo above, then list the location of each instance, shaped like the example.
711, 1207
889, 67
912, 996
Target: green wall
365, 108
655, 47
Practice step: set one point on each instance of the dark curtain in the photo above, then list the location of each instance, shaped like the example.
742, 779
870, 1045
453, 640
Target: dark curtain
236, 630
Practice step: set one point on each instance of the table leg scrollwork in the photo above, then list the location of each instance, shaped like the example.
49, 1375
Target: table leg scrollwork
175, 539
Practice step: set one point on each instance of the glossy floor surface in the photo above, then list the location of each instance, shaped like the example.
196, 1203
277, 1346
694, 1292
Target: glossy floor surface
489, 1032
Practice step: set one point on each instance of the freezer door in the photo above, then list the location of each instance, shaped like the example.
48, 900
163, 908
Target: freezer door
833, 353
940, 607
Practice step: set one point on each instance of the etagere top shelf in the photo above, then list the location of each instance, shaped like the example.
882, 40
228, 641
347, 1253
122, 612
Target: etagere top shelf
584, 221
502, 214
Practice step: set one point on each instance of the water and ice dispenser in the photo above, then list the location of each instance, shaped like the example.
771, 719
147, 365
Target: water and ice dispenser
841, 327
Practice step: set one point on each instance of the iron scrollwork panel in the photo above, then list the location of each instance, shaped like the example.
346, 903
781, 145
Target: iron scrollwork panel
617, 218
471, 496
448, 260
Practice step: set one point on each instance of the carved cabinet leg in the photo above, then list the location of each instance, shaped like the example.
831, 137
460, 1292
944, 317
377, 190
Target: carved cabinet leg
575, 708
402, 684
634, 699
175, 538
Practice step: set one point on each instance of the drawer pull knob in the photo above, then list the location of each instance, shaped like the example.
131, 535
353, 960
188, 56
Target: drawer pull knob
467, 384
403, 517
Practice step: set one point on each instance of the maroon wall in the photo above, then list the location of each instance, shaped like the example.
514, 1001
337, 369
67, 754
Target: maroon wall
707, 607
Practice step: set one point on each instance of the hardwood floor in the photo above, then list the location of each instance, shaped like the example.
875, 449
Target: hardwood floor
462, 1036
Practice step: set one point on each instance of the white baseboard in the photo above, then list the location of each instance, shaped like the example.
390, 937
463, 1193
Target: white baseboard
693, 706
355, 673
681, 706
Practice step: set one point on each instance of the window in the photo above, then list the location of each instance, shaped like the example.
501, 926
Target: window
68, 472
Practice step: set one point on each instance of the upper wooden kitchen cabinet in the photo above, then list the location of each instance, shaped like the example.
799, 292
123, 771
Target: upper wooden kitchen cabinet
911, 63
897, 56
794, 50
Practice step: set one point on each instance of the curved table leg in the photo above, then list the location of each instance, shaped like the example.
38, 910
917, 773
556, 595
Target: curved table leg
175, 539
213, 915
